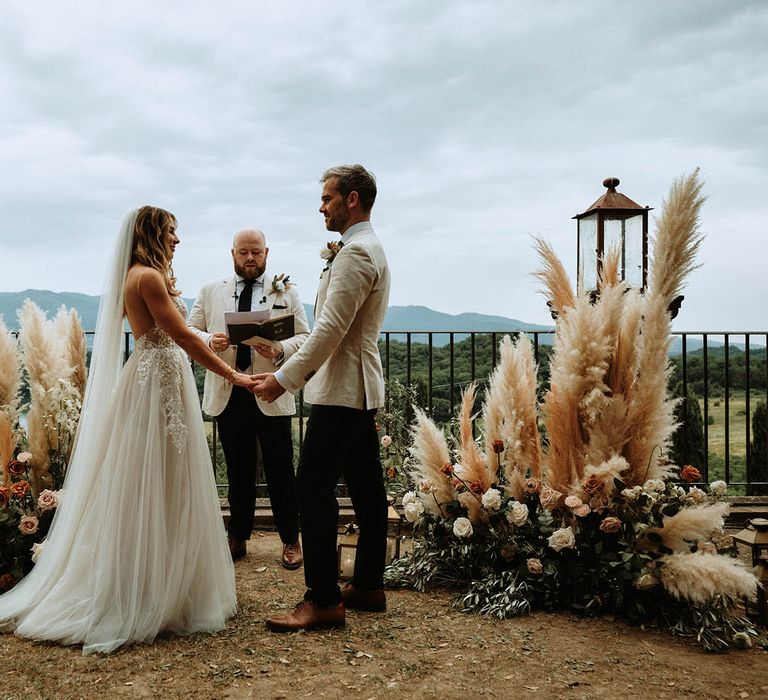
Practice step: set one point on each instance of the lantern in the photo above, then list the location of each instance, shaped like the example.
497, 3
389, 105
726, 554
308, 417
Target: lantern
755, 536
347, 544
613, 222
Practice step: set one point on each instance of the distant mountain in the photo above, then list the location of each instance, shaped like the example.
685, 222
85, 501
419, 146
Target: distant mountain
398, 318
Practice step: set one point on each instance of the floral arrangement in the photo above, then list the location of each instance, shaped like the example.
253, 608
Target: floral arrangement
34, 458
329, 251
590, 519
280, 283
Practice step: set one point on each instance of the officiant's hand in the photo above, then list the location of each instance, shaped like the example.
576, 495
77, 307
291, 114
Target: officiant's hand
267, 387
267, 351
219, 342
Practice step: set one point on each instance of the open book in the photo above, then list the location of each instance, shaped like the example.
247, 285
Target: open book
257, 328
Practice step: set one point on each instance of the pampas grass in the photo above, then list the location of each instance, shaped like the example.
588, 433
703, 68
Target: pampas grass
429, 453
76, 352
681, 530
7, 447
10, 368
557, 285
509, 415
700, 577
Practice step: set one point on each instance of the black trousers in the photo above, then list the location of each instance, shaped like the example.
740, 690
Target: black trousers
341, 441
240, 424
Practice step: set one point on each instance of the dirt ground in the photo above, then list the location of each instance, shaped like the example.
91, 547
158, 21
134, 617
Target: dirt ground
421, 647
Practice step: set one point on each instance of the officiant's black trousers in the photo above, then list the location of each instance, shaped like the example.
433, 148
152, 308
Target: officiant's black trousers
240, 424
341, 441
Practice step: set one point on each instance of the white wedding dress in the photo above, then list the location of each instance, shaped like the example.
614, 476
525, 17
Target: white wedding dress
137, 547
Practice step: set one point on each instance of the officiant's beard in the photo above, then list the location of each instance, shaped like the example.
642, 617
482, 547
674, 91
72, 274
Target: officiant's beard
251, 272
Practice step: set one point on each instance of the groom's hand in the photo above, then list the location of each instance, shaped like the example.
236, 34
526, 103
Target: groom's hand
267, 387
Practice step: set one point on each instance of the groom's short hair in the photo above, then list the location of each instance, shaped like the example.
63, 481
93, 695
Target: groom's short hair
354, 178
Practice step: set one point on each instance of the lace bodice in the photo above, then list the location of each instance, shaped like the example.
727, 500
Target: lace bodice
161, 359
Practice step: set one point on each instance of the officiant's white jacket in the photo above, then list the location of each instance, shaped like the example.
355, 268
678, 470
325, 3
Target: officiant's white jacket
207, 318
340, 362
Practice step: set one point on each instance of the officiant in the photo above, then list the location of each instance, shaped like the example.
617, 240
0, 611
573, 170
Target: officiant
242, 418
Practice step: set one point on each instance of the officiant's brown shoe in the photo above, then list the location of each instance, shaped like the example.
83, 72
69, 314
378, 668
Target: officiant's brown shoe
291, 558
236, 549
370, 601
308, 615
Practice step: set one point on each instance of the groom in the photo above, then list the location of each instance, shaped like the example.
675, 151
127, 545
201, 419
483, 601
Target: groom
240, 417
341, 357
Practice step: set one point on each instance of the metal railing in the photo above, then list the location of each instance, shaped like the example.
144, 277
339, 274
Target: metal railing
724, 372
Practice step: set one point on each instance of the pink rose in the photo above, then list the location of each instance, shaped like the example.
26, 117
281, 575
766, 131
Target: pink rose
47, 500
610, 525
573, 501
534, 566
28, 525
582, 511
532, 486
549, 497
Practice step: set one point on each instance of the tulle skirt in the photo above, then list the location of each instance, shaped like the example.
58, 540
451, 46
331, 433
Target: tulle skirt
140, 549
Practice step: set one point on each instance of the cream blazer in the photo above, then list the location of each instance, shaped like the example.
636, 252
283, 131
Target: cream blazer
340, 362
207, 318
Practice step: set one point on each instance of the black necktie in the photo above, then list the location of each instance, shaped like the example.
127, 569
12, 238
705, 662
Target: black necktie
244, 304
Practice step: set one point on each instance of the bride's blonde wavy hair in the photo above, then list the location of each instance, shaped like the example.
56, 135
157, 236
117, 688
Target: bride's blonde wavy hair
153, 225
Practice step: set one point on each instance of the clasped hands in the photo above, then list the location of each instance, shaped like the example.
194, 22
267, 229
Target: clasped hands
264, 385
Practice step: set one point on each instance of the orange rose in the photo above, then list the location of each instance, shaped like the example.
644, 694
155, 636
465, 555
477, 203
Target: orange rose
5, 496
476, 487
17, 468
689, 473
592, 485
391, 473
498, 446
532, 486
20, 488
447, 469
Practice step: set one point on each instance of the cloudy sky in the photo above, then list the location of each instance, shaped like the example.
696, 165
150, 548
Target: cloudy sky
485, 122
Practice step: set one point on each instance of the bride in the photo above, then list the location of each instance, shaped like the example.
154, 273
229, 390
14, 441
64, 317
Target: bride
137, 546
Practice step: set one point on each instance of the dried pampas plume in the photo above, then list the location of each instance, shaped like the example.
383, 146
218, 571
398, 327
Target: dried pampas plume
10, 368
7, 447
690, 524
700, 577
557, 285
76, 352
429, 453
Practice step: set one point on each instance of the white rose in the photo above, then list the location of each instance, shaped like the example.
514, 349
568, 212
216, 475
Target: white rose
386, 441
718, 488
326, 253
413, 511
462, 528
653, 485
629, 494
562, 539
518, 513
409, 497
47, 500
279, 286
697, 495
24, 457
573, 501
37, 550
491, 499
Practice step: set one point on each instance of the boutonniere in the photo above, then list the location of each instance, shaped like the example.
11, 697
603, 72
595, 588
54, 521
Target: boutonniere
330, 251
280, 283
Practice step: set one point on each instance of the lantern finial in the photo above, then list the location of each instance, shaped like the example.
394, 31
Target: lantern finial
611, 183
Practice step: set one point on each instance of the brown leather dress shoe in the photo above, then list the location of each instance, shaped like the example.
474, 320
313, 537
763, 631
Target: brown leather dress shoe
291, 557
371, 601
236, 549
308, 615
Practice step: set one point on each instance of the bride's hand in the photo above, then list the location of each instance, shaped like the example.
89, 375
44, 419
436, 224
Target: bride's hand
244, 380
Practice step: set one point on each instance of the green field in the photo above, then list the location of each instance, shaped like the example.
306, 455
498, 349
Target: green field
737, 433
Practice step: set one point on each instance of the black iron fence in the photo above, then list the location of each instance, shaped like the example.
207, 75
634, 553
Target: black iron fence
720, 378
